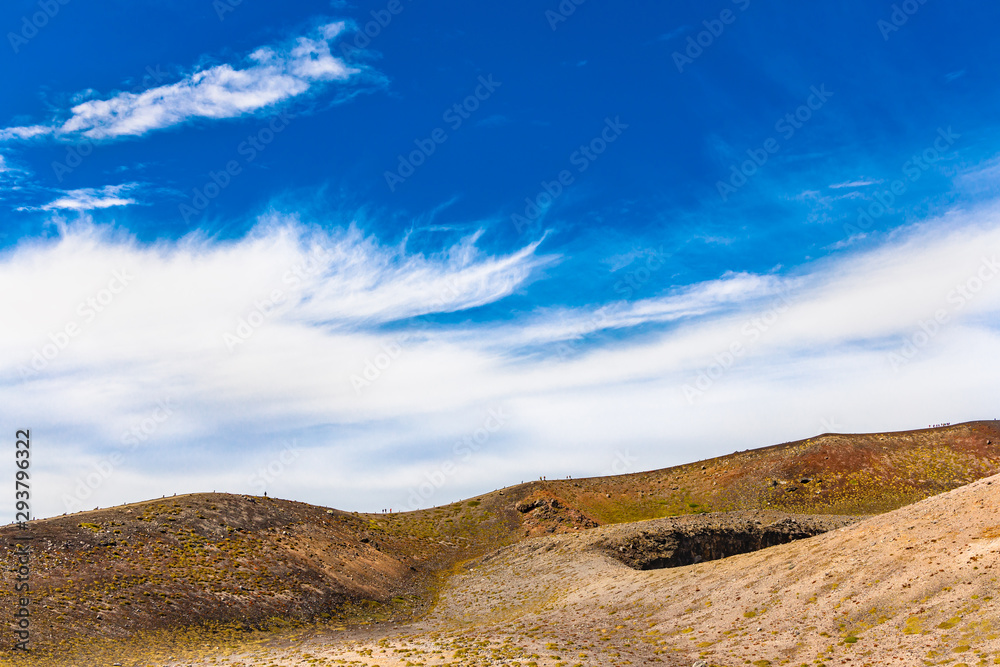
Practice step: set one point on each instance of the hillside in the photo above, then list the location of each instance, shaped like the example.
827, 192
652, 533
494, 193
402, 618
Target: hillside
827, 474
227, 565
916, 586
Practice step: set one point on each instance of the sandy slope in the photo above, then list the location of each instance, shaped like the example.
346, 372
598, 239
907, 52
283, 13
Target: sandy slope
137, 584
915, 586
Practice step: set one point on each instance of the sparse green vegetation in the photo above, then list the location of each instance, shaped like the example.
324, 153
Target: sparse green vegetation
251, 567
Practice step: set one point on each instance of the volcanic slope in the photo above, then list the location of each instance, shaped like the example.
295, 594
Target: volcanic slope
229, 564
915, 586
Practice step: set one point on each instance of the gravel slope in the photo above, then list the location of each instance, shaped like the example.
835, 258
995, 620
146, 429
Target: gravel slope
910, 587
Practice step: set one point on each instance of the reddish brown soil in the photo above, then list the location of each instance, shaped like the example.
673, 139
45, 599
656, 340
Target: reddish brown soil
228, 564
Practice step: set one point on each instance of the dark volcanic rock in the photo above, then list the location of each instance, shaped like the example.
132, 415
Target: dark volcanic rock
685, 540
548, 515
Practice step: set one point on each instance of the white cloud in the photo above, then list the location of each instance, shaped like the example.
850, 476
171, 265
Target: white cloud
29, 132
849, 241
12, 177
855, 184
269, 76
88, 199
7, 170
574, 324
771, 357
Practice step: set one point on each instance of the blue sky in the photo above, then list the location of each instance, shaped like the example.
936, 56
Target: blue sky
391, 254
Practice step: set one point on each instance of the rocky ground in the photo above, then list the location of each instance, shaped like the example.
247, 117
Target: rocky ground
917, 586
566, 572
686, 540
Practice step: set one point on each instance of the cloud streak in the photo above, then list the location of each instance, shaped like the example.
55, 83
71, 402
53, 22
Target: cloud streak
267, 77
89, 199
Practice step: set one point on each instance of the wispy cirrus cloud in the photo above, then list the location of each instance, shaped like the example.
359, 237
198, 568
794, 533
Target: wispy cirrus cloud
859, 183
7, 170
680, 30
12, 177
266, 77
557, 325
89, 199
26, 132
358, 283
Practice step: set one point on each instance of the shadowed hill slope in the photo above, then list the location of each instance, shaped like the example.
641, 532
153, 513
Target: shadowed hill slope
241, 562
